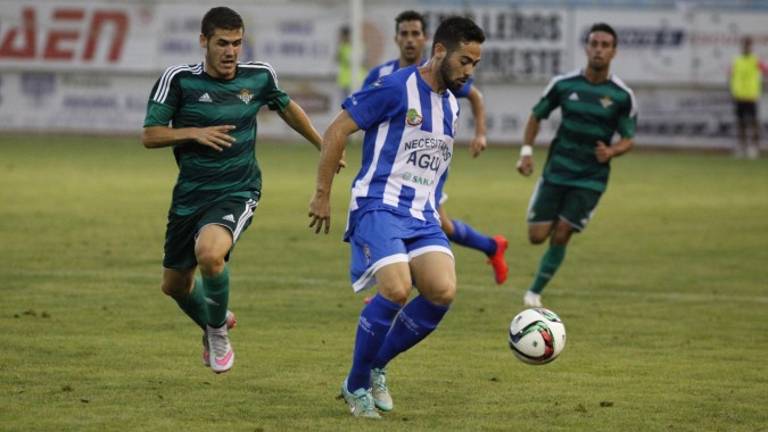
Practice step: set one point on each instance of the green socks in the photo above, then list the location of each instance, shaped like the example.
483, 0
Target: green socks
194, 304
217, 291
550, 262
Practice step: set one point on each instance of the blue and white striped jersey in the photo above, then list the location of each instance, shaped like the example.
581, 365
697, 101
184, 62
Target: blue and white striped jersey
408, 145
387, 68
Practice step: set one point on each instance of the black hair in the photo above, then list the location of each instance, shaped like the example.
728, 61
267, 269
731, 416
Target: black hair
222, 18
602, 27
410, 15
455, 30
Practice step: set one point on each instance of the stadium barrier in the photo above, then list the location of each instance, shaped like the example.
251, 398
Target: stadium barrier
88, 66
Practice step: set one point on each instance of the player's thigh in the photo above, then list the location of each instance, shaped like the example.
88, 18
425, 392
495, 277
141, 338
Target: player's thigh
432, 263
178, 282
393, 282
179, 248
579, 207
434, 275
213, 243
543, 209
377, 244
220, 226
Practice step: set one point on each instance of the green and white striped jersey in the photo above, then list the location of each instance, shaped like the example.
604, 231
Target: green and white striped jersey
590, 113
186, 96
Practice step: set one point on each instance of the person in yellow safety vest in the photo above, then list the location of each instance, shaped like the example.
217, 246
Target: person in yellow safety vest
746, 88
344, 61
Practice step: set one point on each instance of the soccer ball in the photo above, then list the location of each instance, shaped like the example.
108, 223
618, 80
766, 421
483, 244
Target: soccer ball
537, 336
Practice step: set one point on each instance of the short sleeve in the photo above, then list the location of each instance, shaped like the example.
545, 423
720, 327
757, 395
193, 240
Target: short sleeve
376, 103
275, 97
163, 101
371, 78
549, 101
627, 123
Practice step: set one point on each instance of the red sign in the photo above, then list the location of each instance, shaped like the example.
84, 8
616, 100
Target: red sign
71, 30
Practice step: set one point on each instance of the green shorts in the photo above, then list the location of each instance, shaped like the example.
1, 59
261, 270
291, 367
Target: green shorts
181, 233
573, 205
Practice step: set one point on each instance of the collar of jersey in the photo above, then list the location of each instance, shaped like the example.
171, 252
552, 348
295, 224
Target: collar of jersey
426, 86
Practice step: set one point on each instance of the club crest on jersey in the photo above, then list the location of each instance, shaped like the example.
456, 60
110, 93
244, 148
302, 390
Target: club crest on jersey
412, 117
245, 96
606, 102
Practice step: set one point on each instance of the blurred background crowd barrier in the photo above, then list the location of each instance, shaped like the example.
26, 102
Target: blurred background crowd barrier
88, 66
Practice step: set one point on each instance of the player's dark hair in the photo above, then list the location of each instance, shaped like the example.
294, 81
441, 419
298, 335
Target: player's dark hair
410, 15
455, 30
603, 27
222, 18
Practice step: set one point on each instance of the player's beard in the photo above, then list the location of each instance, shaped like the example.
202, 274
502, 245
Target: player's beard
445, 75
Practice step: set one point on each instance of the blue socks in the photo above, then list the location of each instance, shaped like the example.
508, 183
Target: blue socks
465, 235
375, 320
417, 320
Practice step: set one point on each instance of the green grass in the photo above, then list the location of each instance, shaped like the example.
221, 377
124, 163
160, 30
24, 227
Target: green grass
665, 299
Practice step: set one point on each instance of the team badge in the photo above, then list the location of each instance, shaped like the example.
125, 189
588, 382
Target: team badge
245, 96
606, 102
412, 117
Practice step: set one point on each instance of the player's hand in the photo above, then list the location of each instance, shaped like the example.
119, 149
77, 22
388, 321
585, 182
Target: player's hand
215, 137
477, 145
342, 162
525, 165
603, 152
320, 213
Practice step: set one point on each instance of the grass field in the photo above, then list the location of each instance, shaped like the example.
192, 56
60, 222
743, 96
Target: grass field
665, 299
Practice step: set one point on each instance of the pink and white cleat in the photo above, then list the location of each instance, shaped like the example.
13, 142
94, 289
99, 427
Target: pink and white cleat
231, 323
221, 357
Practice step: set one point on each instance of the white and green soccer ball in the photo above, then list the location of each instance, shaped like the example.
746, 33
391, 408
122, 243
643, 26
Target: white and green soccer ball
537, 336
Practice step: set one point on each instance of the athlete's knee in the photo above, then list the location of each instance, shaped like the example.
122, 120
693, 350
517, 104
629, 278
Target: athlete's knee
537, 237
210, 262
562, 234
441, 291
396, 293
538, 233
175, 289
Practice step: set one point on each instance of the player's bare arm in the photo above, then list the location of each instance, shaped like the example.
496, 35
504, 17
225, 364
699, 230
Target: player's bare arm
525, 163
215, 137
334, 141
295, 117
605, 153
478, 143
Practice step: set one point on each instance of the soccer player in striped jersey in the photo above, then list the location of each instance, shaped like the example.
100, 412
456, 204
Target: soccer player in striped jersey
595, 105
411, 37
409, 118
207, 113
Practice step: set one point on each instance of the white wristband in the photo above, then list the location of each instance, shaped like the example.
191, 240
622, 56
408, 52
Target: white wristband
526, 150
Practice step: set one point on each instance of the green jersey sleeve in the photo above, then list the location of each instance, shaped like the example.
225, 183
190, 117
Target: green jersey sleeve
163, 101
627, 119
276, 98
549, 102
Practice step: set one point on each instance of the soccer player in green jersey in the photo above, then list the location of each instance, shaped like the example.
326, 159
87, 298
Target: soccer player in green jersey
207, 113
595, 105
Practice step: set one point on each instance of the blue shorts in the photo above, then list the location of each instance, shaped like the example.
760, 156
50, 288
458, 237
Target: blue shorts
381, 237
